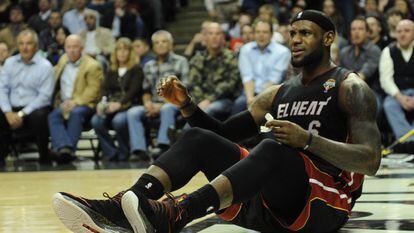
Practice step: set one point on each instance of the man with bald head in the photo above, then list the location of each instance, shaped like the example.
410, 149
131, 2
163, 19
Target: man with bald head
78, 81
397, 78
26, 86
214, 77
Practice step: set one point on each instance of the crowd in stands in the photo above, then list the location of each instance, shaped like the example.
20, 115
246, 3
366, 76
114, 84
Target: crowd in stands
69, 65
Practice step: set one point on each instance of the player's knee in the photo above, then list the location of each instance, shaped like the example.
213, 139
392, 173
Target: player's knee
271, 150
198, 135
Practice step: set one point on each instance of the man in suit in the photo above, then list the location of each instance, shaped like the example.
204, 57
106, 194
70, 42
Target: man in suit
78, 81
121, 20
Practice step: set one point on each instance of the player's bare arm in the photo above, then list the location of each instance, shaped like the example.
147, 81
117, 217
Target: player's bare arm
363, 155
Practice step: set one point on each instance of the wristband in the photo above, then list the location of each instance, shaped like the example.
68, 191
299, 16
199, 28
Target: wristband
308, 143
186, 103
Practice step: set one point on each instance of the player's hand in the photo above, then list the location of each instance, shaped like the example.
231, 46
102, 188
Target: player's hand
173, 90
288, 133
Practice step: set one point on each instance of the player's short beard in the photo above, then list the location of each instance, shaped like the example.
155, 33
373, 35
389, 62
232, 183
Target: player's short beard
314, 58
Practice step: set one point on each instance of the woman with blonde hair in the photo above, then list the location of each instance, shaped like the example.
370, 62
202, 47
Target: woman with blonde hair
121, 89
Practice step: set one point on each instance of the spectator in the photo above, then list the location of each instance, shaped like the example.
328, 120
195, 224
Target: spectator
98, 41
246, 36
405, 7
29, 8
5, 7
376, 33
221, 10
198, 43
214, 78
78, 80
4, 54
283, 29
396, 72
393, 17
16, 25
100, 6
47, 35
166, 63
361, 56
121, 20
121, 88
371, 7
57, 48
142, 50
74, 20
244, 19
26, 86
39, 21
262, 63
331, 10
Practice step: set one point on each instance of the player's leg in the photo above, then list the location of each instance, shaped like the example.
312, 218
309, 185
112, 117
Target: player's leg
198, 150
238, 184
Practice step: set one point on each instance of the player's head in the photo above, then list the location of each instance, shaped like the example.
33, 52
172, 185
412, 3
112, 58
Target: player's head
311, 36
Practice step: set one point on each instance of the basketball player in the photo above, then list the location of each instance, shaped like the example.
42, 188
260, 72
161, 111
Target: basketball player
306, 179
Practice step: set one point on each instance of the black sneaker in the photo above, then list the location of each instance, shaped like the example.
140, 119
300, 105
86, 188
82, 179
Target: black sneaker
147, 215
84, 215
65, 155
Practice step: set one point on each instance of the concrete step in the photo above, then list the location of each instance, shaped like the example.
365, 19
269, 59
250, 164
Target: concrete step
179, 48
184, 30
189, 15
186, 23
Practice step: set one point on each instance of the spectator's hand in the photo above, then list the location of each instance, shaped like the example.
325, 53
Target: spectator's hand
70, 105
119, 12
198, 38
113, 107
148, 105
154, 110
18, 123
204, 104
249, 100
406, 102
13, 120
212, 14
173, 90
288, 133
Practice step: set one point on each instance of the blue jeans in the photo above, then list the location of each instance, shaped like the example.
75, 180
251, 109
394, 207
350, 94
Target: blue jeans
119, 123
240, 104
219, 109
67, 135
396, 115
136, 115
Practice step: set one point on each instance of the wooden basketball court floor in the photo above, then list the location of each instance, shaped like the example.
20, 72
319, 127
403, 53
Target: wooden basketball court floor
26, 189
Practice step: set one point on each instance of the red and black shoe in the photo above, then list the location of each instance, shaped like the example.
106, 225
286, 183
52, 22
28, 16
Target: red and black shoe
82, 215
148, 216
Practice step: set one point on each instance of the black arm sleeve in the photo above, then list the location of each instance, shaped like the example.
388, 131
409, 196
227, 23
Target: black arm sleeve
236, 128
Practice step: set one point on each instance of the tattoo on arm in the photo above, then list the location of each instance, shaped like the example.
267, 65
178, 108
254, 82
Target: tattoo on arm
363, 154
262, 104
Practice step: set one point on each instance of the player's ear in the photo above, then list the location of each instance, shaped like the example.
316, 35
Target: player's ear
328, 38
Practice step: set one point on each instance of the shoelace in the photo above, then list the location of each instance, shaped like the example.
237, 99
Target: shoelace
176, 201
117, 198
